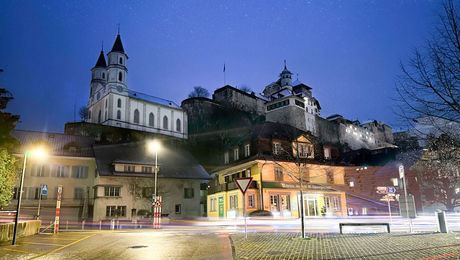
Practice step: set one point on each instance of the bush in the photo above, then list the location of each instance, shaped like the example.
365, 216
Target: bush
261, 213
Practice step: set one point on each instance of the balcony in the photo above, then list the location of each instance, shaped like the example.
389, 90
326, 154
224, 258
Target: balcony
228, 187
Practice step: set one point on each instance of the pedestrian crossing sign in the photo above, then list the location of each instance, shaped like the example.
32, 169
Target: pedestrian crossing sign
44, 189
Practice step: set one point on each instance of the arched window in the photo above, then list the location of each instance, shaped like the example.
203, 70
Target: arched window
178, 125
119, 102
99, 117
118, 114
151, 119
103, 75
120, 76
136, 116
165, 122
121, 60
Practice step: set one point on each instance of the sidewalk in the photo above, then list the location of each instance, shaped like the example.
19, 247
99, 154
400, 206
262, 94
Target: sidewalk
349, 246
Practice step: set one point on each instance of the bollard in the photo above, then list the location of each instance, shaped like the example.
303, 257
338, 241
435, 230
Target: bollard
100, 224
112, 224
83, 225
67, 225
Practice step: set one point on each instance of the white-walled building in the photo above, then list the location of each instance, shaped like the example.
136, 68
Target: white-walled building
112, 103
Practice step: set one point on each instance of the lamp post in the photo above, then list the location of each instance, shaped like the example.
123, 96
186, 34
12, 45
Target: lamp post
38, 153
154, 146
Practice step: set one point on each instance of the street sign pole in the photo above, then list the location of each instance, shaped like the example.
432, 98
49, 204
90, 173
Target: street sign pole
402, 175
39, 200
243, 185
58, 209
389, 209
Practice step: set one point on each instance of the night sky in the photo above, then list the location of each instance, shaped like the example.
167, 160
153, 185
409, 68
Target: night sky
347, 51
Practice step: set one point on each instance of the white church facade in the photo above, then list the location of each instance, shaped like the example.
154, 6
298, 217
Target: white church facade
111, 103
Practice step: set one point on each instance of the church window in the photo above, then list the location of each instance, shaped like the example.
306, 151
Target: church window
151, 119
99, 117
165, 122
120, 76
178, 125
121, 60
103, 75
136, 116
119, 103
118, 114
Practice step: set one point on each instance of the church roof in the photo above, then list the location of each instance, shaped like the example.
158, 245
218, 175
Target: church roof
118, 46
101, 60
152, 99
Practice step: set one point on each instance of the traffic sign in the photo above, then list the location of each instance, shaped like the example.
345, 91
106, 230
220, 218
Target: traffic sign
44, 189
153, 197
387, 198
382, 190
243, 183
401, 171
391, 189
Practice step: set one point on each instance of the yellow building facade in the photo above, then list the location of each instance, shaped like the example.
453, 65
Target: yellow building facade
276, 188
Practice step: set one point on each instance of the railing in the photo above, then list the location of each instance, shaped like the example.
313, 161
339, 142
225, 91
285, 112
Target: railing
228, 187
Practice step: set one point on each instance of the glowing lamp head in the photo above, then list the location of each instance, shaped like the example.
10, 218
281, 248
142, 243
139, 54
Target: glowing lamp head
153, 146
38, 153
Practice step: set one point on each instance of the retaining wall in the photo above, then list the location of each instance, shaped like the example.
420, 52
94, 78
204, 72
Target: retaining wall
25, 228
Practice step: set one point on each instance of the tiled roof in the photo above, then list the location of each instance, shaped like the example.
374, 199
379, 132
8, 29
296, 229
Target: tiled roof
60, 144
174, 161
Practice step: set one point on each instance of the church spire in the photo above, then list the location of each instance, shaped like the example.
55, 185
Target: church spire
118, 46
101, 60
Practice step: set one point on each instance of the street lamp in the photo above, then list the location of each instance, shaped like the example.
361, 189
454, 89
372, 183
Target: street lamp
153, 147
38, 153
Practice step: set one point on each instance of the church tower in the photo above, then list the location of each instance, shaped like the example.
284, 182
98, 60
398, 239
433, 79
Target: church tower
98, 74
116, 70
285, 77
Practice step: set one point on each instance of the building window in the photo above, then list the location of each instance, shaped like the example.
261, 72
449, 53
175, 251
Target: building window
394, 181
121, 210
305, 150
151, 119
336, 203
120, 76
110, 211
129, 168
119, 102
136, 116
235, 154
40, 170
178, 208
111, 191
327, 153
352, 182
35, 193
165, 122
62, 171
80, 172
103, 75
147, 169
212, 206
78, 194
276, 148
364, 211
278, 174
233, 201
188, 193
178, 125
119, 115
247, 150
226, 158
121, 60
251, 201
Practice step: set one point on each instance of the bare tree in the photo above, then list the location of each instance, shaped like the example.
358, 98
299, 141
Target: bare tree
199, 92
440, 171
245, 88
429, 84
83, 112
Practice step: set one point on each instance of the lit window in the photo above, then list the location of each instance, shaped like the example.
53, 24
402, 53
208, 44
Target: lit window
394, 181
226, 158
352, 182
276, 148
235, 154
129, 168
247, 150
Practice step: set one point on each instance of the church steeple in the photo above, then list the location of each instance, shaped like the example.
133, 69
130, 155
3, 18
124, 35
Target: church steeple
101, 60
117, 45
286, 76
116, 68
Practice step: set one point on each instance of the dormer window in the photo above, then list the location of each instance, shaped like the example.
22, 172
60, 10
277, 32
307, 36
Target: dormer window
247, 150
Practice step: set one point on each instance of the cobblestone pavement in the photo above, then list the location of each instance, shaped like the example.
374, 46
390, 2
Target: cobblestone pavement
348, 246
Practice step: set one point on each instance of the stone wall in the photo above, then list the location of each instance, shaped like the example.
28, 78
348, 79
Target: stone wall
234, 97
26, 228
290, 115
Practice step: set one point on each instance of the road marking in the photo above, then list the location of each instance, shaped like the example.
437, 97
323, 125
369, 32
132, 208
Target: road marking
62, 247
35, 243
21, 251
439, 256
